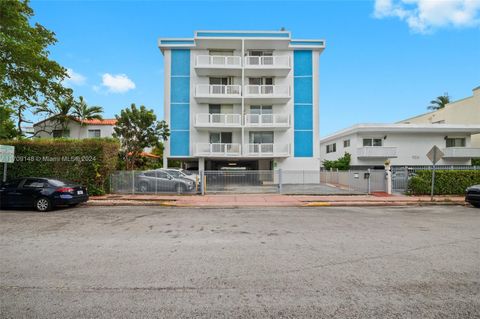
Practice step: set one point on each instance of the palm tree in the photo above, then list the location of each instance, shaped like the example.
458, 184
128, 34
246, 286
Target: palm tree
59, 112
83, 112
439, 102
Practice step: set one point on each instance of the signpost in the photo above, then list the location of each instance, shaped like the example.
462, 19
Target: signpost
7, 155
434, 155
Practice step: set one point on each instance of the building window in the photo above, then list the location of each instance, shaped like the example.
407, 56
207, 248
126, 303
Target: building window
346, 143
331, 148
455, 141
261, 137
372, 142
220, 137
60, 133
94, 133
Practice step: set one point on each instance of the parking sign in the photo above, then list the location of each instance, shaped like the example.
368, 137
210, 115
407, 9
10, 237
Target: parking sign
7, 153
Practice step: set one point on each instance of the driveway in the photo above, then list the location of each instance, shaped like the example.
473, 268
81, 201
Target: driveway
123, 262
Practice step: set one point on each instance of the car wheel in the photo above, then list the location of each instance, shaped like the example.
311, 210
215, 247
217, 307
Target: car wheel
143, 188
43, 204
477, 205
180, 188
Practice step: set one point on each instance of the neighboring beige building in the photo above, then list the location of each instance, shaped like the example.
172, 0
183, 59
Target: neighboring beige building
465, 111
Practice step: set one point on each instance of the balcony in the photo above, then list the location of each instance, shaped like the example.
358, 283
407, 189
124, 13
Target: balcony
461, 152
280, 121
205, 93
218, 120
216, 65
218, 149
267, 150
267, 65
376, 152
267, 93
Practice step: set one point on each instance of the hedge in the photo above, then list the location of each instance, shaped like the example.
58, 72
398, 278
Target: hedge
88, 161
447, 182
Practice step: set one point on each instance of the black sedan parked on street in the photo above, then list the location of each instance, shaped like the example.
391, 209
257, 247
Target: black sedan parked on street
41, 193
473, 195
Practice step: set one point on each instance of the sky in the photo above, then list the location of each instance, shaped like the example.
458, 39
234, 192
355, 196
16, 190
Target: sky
384, 60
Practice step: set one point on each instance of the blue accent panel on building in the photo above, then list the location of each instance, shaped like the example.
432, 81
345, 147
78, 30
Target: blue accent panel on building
180, 116
302, 62
180, 62
180, 103
179, 89
303, 90
315, 43
303, 99
244, 34
303, 144
303, 117
180, 143
177, 42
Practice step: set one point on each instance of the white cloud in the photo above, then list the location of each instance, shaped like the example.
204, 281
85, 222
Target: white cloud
74, 78
119, 83
424, 16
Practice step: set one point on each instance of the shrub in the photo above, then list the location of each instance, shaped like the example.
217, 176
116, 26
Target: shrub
447, 182
342, 164
88, 162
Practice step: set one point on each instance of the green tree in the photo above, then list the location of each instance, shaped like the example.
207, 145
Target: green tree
439, 102
138, 128
7, 126
342, 164
28, 76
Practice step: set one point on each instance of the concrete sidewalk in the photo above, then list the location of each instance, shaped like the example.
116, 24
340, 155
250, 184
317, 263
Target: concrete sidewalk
270, 200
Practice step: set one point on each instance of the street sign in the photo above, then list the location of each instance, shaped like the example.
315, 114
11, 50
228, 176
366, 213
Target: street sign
434, 155
7, 153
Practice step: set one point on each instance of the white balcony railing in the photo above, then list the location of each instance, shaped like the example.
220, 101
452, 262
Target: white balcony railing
461, 152
218, 61
222, 120
218, 90
267, 120
377, 151
268, 90
218, 149
267, 149
267, 61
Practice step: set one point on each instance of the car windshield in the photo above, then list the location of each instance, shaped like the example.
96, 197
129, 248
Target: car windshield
175, 173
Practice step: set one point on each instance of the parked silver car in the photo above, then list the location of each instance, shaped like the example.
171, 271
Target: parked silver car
160, 181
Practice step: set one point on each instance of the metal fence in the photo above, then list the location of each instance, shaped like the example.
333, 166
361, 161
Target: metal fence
356, 181
401, 174
153, 182
308, 182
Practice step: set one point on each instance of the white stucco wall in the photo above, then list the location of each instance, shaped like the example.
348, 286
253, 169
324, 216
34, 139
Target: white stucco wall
77, 131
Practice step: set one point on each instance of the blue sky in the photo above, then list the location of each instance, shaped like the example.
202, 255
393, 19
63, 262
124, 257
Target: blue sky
384, 60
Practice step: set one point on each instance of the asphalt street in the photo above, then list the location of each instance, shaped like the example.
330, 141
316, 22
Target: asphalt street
159, 262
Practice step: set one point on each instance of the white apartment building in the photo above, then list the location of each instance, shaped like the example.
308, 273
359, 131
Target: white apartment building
49, 128
242, 99
370, 145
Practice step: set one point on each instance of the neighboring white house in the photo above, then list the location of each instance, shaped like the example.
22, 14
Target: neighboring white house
464, 111
403, 144
49, 128
242, 99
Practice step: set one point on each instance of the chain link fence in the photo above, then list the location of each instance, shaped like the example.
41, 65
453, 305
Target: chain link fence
300, 182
